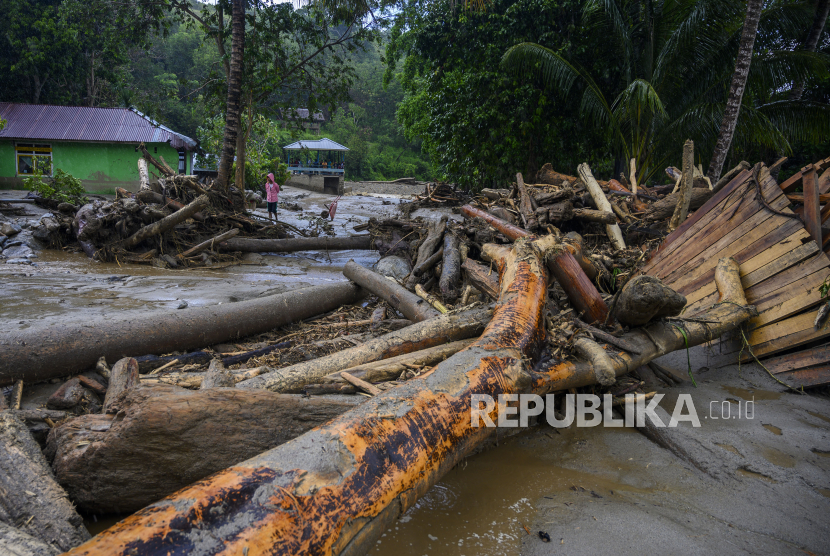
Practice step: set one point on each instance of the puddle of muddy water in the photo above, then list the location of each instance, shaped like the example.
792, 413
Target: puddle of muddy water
773, 429
777, 457
753, 475
480, 507
819, 416
752, 394
730, 448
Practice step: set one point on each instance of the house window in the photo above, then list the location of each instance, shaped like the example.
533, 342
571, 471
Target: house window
31, 156
181, 162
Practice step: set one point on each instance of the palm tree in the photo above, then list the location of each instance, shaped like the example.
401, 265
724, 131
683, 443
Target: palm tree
234, 92
676, 58
736, 89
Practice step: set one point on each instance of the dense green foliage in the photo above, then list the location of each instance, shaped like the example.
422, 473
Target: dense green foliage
478, 124
678, 58
60, 187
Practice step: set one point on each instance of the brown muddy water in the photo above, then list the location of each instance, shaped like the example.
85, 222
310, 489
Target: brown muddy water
483, 505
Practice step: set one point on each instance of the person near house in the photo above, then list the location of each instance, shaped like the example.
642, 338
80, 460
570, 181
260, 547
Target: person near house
272, 191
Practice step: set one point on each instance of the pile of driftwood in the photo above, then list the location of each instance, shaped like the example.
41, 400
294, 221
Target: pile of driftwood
317, 446
174, 221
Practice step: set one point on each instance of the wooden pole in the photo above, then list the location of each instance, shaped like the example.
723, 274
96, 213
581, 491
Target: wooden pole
687, 183
410, 305
613, 230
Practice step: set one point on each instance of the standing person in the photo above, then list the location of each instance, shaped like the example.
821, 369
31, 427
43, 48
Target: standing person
272, 192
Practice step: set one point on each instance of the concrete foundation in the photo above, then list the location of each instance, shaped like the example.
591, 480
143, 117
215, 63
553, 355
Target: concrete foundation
333, 185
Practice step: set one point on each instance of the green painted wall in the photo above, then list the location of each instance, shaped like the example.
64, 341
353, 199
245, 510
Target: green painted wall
7, 158
99, 165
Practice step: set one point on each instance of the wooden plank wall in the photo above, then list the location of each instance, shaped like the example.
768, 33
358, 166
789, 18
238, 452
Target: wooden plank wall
782, 267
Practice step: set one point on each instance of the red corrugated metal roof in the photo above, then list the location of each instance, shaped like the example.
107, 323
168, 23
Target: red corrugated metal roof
80, 123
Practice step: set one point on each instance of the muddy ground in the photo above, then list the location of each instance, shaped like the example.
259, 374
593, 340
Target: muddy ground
733, 486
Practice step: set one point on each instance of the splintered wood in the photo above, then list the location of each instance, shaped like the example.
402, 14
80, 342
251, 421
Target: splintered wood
781, 266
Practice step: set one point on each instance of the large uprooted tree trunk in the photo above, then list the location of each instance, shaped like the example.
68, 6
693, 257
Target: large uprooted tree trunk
30, 499
166, 438
297, 244
41, 353
336, 488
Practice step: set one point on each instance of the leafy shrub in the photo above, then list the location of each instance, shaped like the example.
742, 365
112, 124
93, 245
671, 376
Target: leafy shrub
61, 187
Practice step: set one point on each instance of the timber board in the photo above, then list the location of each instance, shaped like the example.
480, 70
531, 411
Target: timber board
781, 269
818, 355
805, 378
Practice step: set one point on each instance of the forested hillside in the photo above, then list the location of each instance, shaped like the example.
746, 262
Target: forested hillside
439, 90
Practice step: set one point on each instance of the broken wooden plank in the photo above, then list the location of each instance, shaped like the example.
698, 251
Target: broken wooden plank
812, 210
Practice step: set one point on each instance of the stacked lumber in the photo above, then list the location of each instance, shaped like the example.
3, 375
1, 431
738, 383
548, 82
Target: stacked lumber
782, 267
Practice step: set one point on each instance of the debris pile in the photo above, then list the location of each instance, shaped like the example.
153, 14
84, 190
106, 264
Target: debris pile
357, 397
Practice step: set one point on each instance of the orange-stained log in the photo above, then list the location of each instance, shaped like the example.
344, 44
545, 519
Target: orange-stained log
581, 291
336, 488
662, 337
636, 203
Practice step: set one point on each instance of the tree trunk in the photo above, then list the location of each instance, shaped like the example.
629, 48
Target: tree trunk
423, 335
822, 11
427, 248
429, 263
170, 437
123, 376
736, 89
391, 369
613, 230
684, 197
18, 543
41, 353
450, 281
335, 489
234, 93
167, 222
246, 245
399, 298
143, 176
239, 179
581, 292
30, 499
482, 278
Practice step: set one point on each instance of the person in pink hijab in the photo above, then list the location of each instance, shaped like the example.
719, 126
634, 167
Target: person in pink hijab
272, 192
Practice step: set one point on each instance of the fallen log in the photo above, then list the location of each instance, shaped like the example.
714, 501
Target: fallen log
450, 280
336, 488
581, 292
147, 363
435, 231
18, 543
419, 336
527, 204
429, 263
482, 278
194, 380
43, 352
613, 230
390, 369
664, 208
123, 376
247, 245
243, 357
638, 205
148, 196
163, 168
168, 222
209, 244
402, 300
167, 437
659, 338
30, 499
600, 216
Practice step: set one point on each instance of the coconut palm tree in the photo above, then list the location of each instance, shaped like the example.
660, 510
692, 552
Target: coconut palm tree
676, 62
